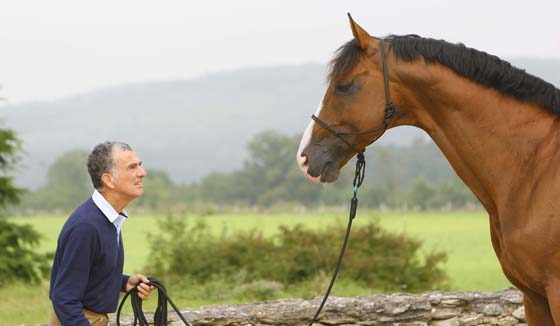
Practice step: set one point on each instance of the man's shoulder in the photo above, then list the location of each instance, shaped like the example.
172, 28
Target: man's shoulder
85, 214
88, 207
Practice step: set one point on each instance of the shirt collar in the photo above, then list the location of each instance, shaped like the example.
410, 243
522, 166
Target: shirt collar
105, 207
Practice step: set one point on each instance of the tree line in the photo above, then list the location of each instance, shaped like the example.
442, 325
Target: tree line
243, 265
411, 177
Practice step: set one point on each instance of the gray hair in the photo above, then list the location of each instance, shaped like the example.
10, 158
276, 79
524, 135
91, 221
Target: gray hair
100, 161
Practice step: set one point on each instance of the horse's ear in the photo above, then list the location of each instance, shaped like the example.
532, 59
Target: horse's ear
363, 39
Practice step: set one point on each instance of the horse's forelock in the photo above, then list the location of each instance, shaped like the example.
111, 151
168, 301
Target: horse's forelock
345, 60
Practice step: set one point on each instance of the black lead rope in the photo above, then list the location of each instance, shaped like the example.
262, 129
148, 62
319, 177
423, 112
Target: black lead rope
390, 110
160, 315
358, 179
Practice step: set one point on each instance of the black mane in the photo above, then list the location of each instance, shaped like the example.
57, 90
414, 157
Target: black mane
480, 67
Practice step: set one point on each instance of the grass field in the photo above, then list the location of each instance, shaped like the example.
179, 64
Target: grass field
471, 263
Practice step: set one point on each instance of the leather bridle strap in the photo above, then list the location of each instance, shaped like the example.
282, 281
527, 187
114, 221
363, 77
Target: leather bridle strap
389, 106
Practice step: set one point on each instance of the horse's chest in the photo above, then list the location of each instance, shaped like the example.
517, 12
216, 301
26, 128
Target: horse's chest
525, 259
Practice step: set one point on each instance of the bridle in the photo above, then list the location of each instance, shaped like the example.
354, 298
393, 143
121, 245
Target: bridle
359, 175
390, 110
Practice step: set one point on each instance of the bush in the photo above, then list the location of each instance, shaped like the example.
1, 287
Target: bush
375, 259
17, 259
260, 290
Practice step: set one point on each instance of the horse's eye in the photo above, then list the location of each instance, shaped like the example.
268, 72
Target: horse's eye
344, 88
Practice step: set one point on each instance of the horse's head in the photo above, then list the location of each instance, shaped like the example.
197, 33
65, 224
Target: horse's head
354, 105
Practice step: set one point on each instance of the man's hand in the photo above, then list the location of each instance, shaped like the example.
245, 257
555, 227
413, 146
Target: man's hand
144, 289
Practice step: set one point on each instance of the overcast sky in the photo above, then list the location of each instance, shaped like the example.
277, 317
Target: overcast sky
50, 49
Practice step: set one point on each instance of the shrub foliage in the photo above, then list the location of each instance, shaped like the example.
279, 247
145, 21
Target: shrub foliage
18, 261
187, 251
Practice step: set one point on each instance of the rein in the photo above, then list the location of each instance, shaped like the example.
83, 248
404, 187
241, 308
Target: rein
359, 175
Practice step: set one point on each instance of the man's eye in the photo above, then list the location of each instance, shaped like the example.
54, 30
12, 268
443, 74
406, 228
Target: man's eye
344, 88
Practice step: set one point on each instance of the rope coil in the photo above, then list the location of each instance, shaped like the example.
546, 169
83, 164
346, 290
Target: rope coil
160, 315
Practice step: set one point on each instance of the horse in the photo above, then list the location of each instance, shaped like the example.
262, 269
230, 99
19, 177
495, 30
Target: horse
498, 126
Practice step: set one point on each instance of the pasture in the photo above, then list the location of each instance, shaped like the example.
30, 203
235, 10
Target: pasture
471, 263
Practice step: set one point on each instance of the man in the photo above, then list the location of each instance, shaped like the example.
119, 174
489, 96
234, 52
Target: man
87, 273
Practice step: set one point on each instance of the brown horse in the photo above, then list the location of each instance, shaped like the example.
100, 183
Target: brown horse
497, 125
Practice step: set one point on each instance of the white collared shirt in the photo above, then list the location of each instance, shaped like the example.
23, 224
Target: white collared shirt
112, 215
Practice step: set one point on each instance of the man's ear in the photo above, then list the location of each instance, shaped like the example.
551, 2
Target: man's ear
108, 180
365, 41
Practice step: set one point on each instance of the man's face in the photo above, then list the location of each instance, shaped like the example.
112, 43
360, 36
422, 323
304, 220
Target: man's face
127, 173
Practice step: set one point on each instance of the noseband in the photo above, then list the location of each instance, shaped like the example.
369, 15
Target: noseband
390, 110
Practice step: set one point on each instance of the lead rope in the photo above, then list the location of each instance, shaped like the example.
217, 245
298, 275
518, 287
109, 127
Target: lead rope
358, 179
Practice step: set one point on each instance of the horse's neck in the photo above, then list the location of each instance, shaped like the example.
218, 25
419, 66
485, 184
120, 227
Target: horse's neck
488, 138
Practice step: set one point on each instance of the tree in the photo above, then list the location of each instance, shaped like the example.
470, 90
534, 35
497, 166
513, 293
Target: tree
271, 159
68, 178
158, 191
9, 148
269, 176
421, 192
18, 261
454, 194
68, 184
272, 165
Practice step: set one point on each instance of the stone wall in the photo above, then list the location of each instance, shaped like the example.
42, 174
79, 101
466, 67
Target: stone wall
428, 309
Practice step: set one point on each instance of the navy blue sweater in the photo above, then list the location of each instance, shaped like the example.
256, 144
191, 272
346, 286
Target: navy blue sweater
88, 266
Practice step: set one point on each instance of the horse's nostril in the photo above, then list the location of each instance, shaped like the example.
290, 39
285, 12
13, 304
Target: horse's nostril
303, 160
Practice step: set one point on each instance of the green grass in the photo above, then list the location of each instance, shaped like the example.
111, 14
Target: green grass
471, 263
25, 304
